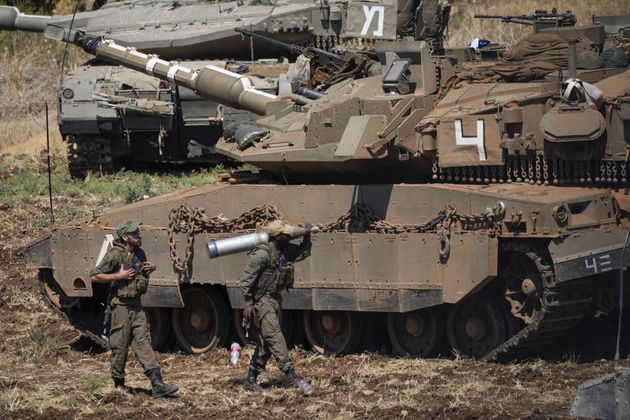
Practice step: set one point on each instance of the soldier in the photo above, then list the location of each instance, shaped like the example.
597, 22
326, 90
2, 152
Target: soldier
405, 20
269, 270
126, 268
424, 20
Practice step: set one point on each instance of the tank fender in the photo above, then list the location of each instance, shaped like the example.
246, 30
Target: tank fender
163, 293
38, 254
588, 253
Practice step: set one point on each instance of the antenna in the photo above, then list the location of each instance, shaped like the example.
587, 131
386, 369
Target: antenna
623, 256
65, 48
52, 212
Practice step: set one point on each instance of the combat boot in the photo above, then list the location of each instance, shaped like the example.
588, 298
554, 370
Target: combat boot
293, 378
119, 384
250, 383
159, 388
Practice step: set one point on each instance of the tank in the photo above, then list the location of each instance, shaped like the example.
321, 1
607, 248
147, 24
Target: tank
486, 219
183, 128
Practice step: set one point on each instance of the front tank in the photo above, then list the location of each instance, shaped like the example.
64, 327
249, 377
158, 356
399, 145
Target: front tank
495, 270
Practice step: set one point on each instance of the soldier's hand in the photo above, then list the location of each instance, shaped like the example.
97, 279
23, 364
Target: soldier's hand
247, 313
126, 274
148, 267
308, 227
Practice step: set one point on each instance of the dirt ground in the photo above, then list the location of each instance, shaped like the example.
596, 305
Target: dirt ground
40, 377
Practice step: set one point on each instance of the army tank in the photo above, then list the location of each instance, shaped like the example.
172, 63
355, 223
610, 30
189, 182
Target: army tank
496, 263
152, 121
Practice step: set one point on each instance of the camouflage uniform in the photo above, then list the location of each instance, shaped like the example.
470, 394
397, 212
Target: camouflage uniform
420, 19
262, 263
405, 19
129, 326
126, 268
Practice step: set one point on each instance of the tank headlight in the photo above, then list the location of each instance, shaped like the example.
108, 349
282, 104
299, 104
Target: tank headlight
561, 214
67, 93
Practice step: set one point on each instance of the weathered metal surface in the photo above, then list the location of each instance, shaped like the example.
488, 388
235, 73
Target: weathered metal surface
606, 398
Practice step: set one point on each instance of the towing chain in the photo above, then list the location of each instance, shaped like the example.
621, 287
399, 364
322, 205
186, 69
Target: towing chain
359, 218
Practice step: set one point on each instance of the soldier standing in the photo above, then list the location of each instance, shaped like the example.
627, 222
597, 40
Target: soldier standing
126, 268
269, 270
424, 20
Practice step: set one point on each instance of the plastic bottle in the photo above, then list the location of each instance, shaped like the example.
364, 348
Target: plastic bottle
305, 387
235, 353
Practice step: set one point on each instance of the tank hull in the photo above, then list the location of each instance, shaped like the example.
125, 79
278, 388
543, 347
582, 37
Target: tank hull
385, 259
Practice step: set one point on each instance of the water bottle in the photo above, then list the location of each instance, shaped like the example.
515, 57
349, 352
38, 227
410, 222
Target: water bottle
305, 387
235, 353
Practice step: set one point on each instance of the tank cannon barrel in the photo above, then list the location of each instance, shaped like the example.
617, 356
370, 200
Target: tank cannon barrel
12, 19
210, 82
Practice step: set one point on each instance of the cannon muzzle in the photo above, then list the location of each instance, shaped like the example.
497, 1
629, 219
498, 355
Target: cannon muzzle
12, 19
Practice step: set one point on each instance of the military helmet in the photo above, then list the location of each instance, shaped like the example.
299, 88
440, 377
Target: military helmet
279, 227
128, 226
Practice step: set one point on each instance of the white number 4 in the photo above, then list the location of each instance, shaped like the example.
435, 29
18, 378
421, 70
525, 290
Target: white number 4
460, 140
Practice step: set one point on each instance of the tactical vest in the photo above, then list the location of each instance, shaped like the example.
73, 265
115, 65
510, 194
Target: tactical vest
285, 275
132, 288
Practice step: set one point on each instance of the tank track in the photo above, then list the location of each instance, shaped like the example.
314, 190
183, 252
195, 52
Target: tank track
76, 322
88, 154
563, 307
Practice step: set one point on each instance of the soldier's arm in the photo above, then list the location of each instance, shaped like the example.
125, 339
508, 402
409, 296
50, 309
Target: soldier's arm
303, 250
147, 267
257, 262
110, 269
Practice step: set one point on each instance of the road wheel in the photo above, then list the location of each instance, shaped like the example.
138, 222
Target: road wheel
204, 321
475, 326
159, 326
417, 333
523, 287
333, 332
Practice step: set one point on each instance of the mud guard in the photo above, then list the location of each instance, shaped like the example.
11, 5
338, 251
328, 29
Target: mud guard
38, 253
163, 293
607, 397
588, 253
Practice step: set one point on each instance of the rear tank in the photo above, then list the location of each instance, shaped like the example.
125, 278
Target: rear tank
98, 136
446, 221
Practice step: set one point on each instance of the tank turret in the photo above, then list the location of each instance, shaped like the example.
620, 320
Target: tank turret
200, 29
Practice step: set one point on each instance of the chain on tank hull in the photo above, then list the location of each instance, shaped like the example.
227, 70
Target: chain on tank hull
490, 267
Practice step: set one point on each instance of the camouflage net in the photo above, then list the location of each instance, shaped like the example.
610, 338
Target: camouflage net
532, 58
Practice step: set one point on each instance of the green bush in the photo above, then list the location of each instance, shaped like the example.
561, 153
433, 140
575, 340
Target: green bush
93, 383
